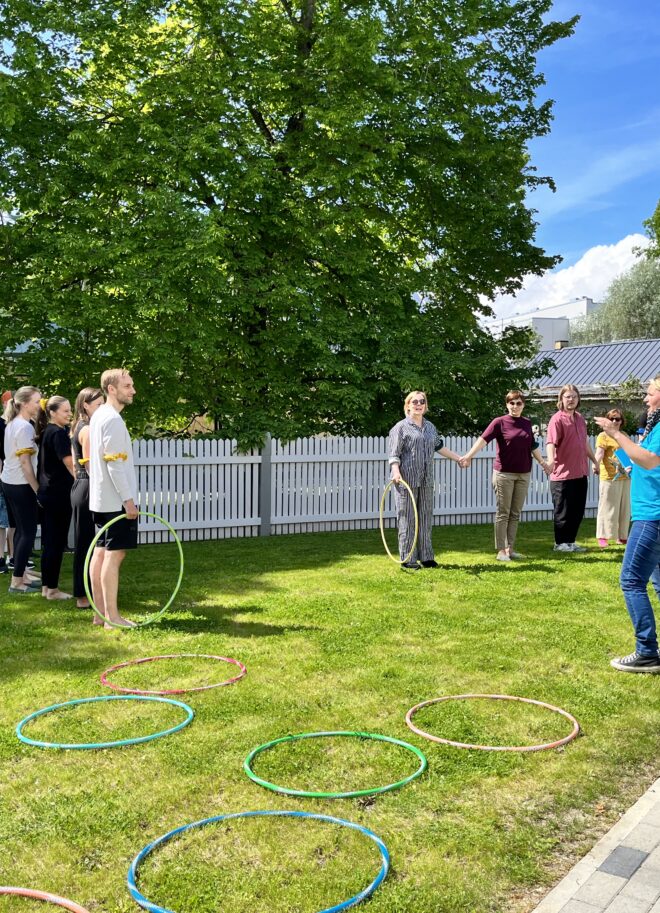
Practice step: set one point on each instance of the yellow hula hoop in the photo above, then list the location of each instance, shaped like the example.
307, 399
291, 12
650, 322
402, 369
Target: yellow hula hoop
398, 560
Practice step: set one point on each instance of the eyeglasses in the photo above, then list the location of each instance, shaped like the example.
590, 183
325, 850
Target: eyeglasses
418, 402
616, 419
516, 402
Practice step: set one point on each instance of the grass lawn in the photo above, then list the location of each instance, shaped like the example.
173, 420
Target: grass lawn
334, 637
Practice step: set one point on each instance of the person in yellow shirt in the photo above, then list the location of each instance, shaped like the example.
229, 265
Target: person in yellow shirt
613, 520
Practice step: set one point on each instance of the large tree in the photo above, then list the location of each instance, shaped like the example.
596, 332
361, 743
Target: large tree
631, 309
281, 213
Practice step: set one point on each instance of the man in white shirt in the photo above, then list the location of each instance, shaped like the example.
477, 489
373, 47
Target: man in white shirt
112, 492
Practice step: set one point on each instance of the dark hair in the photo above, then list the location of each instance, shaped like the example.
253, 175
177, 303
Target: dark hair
52, 405
86, 395
515, 394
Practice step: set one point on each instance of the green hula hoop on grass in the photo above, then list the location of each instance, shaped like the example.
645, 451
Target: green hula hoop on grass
381, 519
88, 558
314, 794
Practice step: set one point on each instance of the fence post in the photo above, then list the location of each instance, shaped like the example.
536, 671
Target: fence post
265, 485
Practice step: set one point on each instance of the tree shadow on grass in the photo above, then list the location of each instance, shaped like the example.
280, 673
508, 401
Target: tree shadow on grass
67, 640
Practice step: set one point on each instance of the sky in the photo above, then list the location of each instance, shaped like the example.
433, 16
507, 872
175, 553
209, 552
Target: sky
603, 150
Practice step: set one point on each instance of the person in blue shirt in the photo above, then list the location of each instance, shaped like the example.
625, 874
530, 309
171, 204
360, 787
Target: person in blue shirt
641, 561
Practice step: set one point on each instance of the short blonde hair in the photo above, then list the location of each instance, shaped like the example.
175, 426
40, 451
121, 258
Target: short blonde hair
111, 377
565, 389
655, 381
406, 402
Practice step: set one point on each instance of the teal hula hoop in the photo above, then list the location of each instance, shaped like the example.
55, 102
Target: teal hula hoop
139, 898
315, 794
91, 700
88, 558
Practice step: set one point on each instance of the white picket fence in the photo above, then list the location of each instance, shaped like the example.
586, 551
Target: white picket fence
207, 490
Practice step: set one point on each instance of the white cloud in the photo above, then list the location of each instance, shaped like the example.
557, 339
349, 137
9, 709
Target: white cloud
591, 276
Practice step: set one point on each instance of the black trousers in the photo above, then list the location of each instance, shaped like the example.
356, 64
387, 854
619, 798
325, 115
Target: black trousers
85, 530
569, 499
22, 503
55, 522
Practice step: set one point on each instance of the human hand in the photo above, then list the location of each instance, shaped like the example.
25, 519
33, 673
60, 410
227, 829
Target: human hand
549, 466
608, 426
131, 510
465, 462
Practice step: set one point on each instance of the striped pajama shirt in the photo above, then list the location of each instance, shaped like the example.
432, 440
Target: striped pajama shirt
412, 448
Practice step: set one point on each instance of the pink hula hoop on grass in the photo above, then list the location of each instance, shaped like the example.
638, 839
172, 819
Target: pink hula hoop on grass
43, 895
150, 659
494, 697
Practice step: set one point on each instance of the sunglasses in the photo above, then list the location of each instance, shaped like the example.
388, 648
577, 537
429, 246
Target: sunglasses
515, 402
615, 419
418, 402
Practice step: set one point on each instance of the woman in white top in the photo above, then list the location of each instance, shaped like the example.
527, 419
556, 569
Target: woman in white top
19, 482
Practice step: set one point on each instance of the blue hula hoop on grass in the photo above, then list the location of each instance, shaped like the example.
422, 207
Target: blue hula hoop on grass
91, 700
344, 905
88, 559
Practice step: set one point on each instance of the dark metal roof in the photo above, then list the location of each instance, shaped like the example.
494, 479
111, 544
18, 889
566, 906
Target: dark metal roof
609, 363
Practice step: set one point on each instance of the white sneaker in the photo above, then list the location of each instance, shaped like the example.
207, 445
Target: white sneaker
563, 547
503, 558
577, 548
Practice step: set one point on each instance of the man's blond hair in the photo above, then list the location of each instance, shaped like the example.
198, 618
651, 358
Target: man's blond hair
111, 377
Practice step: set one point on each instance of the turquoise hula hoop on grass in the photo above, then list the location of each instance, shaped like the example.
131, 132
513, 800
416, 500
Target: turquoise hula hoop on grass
120, 742
88, 558
315, 794
146, 904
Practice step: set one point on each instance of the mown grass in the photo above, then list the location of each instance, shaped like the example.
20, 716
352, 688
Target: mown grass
334, 637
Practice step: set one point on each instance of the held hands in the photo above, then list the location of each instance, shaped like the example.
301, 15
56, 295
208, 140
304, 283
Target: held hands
464, 462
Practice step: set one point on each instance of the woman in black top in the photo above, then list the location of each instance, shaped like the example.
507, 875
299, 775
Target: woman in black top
87, 402
55, 477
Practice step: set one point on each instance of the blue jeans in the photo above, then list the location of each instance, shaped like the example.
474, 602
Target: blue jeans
641, 563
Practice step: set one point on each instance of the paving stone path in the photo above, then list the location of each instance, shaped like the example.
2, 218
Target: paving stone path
621, 874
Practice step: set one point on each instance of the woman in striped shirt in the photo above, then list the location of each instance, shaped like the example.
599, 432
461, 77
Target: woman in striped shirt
412, 444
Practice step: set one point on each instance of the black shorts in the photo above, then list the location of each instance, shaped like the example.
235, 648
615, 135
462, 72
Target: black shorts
122, 535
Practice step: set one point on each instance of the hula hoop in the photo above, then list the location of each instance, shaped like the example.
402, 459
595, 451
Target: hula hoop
88, 558
44, 895
344, 905
494, 697
111, 697
381, 519
323, 795
150, 659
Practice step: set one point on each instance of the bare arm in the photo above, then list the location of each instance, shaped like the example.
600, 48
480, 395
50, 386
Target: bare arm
68, 462
28, 471
478, 445
550, 460
446, 452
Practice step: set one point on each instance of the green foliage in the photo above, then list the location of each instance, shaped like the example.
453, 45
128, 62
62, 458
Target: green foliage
277, 215
631, 309
334, 637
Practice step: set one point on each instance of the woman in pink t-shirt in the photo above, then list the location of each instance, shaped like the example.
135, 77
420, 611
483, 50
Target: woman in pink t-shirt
569, 452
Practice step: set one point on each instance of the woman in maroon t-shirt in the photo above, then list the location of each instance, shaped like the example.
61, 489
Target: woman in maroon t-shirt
516, 446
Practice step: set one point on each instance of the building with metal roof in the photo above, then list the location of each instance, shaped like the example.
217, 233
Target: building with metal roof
596, 369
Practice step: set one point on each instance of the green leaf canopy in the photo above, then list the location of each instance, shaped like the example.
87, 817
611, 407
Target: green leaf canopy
278, 214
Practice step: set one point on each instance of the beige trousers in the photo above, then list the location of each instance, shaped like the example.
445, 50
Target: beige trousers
510, 492
613, 521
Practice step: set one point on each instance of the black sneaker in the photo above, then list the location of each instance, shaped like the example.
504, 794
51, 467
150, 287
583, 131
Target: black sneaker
430, 563
3, 566
29, 565
410, 566
635, 662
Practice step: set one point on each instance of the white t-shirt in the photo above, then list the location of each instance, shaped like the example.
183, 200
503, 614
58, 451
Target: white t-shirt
114, 482
19, 435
